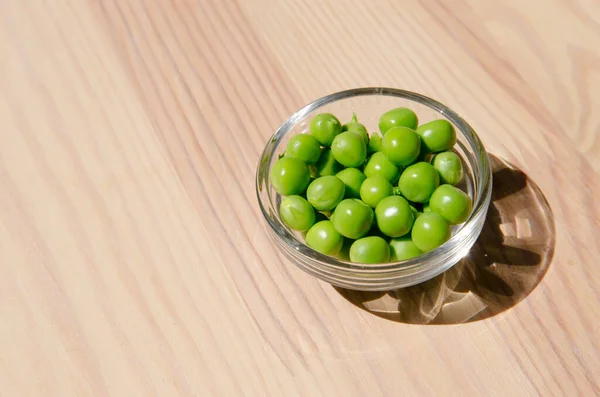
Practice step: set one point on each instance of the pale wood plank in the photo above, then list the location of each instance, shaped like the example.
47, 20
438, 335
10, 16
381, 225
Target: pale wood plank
134, 261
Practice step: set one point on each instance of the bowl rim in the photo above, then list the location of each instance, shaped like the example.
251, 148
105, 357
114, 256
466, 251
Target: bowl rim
482, 181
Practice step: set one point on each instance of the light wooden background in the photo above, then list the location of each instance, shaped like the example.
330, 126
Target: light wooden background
133, 260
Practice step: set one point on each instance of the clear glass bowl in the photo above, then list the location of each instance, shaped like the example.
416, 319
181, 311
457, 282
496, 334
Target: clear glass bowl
370, 104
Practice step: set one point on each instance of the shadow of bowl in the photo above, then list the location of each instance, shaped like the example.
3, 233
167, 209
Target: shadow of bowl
510, 258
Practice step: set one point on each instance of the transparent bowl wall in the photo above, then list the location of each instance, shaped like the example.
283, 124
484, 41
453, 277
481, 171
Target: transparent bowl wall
369, 104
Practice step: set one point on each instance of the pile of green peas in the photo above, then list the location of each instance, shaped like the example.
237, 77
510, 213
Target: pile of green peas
374, 198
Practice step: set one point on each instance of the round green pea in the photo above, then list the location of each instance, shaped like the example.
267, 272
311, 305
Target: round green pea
352, 218
401, 145
403, 248
399, 117
429, 231
374, 143
349, 149
451, 203
375, 189
325, 192
358, 128
353, 179
372, 249
378, 164
304, 147
418, 182
450, 168
324, 127
426, 207
290, 176
297, 213
437, 135
327, 165
394, 216
323, 237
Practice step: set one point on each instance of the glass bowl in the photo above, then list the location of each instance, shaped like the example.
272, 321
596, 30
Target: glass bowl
370, 104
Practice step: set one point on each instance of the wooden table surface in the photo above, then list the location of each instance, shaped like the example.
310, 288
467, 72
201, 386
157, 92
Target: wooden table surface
134, 260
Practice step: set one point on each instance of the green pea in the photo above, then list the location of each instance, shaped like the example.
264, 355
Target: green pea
429, 231
374, 143
353, 179
325, 192
358, 128
394, 216
290, 176
403, 248
426, 208
418, 182
370, 250
327, 165
325, 127
451, 203
323, 237
401, 145
399, 117
378, 164
352, 218
304, 147
375, 189
297, 213
437, 135
349, 149
450, 168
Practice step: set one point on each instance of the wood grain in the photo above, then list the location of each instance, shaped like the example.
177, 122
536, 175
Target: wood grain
133, 256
